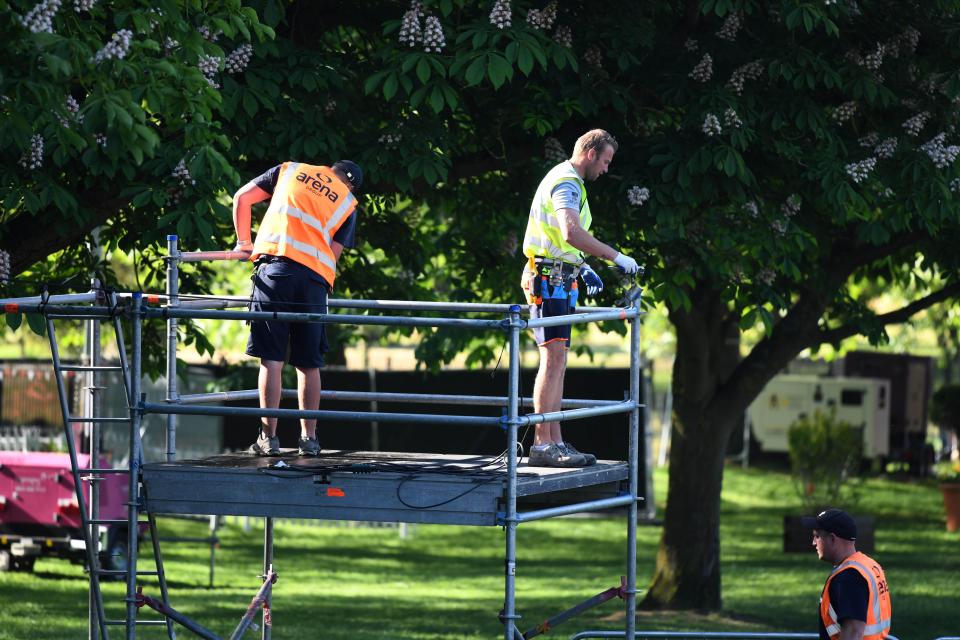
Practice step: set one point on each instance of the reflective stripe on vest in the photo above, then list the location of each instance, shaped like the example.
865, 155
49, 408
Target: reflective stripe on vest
543, 237
308, 206
878, 605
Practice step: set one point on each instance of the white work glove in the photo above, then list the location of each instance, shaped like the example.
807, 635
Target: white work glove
591, 279
244, 246
628, 264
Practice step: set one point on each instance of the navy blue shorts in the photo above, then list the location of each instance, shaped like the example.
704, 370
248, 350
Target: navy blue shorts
285, 285
549, 301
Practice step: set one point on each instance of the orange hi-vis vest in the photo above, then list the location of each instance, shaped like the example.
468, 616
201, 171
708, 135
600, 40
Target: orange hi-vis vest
878, 607
308, 206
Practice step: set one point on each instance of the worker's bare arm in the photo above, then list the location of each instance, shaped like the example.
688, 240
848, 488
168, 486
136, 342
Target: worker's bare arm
245, 197
580, 238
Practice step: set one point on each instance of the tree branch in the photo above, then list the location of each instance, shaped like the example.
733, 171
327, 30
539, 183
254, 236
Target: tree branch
894, 317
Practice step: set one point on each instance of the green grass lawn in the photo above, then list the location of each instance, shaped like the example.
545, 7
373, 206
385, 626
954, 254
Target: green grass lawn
447, 582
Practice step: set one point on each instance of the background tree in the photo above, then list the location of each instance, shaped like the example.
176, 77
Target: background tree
773, 155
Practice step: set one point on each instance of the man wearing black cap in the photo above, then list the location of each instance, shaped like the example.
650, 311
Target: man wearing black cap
855, 602
310, 220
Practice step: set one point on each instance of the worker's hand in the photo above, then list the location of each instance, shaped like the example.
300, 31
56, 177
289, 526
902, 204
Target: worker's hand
591, 279
244, 246
628, 264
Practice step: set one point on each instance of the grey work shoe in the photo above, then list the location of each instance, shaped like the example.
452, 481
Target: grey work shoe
588, 458
309, 447
266, 445
553, 456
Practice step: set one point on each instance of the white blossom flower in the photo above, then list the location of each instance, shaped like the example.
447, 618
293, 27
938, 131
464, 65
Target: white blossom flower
410, 31
101, 139
501, 14
779, 227
4, 267
593, 56
543, 18
563, 36
209, 66
860, 171
731, 26
844, 112
553, 151
869, 140
637, 195
238, 59
750, 71
703, 70
791, 206
330, 107
691, 45
766, 276
914, 125
40, 18
874, 59
72, 108
941, 154
711, 125
390, 139
182, 174
955, 185
117, 48
886, 149
751, 208
433, 38
33, 159
169, 44
83, 5
731, 119
209, 34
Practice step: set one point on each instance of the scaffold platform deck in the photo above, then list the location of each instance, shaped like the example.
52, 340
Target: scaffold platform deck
370, 486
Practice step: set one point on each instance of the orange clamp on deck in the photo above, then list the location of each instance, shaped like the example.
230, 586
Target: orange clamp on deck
335, 492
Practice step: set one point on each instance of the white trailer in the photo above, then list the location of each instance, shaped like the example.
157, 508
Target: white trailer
862, 402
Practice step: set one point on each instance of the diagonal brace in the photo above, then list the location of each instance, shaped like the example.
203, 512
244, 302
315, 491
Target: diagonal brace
545, 626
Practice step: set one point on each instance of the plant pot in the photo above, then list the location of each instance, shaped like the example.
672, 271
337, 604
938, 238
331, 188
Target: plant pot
797, 538
951, 504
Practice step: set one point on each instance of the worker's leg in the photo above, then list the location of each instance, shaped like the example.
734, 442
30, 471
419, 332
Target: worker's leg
270, 385
308, 396
548, 389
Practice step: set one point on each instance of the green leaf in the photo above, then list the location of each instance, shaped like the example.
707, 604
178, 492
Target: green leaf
390, 86
436, 99
475, 71
372, 82
423, 70
498, 69
37, 323
14, 320
525, 60
250, 103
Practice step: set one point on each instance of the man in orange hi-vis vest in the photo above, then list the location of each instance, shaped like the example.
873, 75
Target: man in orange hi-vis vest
855, 603
310, 220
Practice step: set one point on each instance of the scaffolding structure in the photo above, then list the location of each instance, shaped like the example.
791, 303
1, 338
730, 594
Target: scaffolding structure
234, 485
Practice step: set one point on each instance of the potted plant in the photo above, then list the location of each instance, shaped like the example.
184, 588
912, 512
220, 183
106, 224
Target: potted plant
945, 413
825, 457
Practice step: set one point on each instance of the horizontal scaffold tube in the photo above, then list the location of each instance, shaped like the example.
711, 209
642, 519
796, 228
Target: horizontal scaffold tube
581, 318
64, 298
579, 507
347, 416
212, 314
624, 406
370, 396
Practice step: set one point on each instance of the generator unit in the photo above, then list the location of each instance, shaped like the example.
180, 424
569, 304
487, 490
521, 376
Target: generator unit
861, 402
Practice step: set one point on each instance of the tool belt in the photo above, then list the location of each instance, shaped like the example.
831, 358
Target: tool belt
555, 269
266, 258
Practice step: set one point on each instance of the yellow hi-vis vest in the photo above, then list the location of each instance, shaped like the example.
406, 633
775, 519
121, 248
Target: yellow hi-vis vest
543, 237
878, 605
308, 206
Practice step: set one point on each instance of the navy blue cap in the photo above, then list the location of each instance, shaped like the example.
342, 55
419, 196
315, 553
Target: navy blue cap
835, 521
350, 169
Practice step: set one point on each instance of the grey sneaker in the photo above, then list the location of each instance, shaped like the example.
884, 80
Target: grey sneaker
588, 458
266, 445
553, 456
309, 447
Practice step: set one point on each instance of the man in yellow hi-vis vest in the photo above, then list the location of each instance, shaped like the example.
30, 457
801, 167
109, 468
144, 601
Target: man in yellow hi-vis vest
557, 237
310, 220
855, 602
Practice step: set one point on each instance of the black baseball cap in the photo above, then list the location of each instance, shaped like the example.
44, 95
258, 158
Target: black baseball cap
350, 169
835, 521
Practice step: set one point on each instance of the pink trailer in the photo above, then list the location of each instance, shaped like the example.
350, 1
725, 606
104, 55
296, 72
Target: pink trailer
40, 516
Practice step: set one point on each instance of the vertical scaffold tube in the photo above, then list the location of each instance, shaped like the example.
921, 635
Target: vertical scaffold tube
633, 452
92, 408
173, 300
267, 624
510, 524
133, 507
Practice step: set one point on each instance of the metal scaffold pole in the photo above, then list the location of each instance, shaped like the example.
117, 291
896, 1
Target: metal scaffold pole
133, 507
510, 522
633, 459
173, 300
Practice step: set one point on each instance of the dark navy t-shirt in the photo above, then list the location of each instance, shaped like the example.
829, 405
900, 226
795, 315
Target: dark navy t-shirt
345, 235
849, 595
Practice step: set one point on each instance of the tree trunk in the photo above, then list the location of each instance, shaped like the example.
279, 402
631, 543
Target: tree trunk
688, 561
